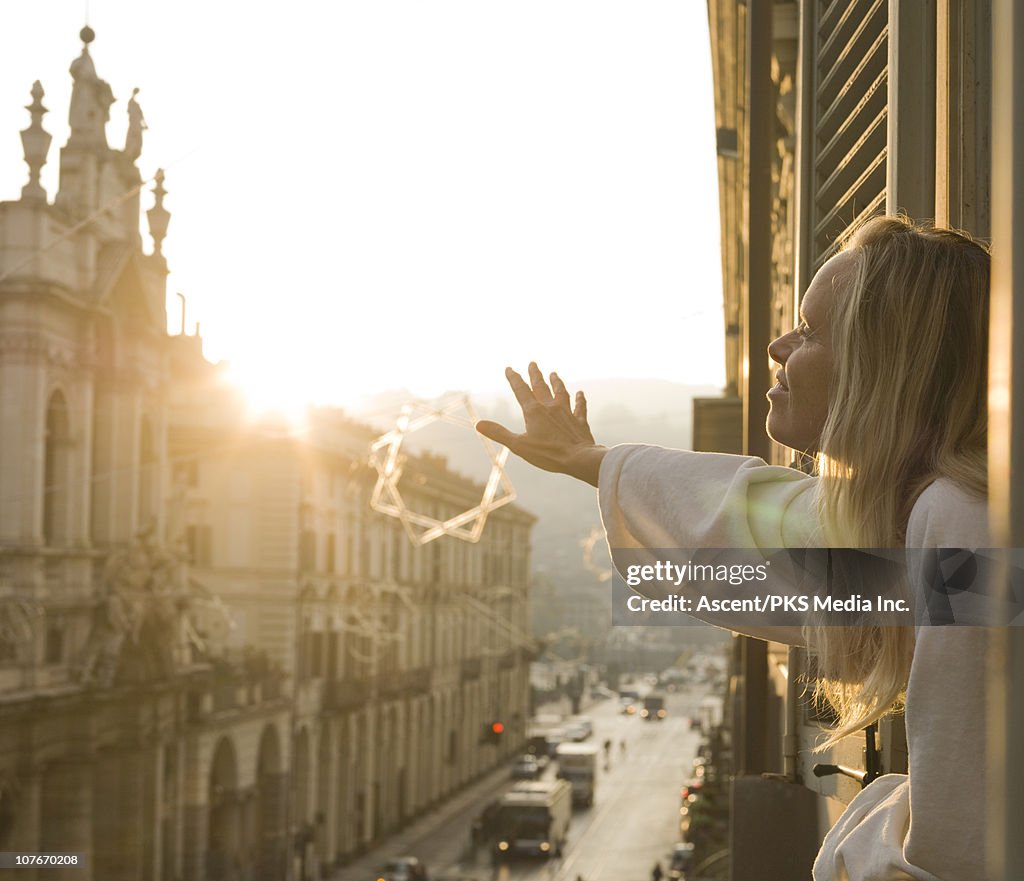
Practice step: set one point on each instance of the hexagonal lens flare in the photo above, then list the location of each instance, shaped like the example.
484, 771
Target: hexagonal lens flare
387, 458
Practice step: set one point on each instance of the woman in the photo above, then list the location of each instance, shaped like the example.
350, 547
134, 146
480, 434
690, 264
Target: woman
884, 382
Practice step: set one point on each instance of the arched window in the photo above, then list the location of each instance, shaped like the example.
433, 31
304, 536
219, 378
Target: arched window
147, 475
56, 474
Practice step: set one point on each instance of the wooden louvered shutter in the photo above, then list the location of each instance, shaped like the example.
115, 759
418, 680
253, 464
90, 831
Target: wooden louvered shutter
849, 147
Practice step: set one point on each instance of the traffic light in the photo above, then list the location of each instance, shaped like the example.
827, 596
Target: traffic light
493, 732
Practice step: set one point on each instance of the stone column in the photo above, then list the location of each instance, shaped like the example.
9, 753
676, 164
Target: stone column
66, 812
27, 828
118, 822
271, 834
195, 826
326, 798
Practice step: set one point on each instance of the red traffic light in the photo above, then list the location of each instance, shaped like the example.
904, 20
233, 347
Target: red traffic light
497, 727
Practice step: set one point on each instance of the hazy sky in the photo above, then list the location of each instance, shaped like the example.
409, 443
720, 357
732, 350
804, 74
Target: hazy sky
374, 194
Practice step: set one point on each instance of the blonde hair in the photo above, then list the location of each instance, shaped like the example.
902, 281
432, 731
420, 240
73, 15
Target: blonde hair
907, 405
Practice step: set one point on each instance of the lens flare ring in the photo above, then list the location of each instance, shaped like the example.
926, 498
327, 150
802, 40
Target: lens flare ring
387, 458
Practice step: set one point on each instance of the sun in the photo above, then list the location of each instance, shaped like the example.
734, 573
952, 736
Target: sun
270, 392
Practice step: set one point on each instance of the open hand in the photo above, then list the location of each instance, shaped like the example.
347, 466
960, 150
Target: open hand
557, 436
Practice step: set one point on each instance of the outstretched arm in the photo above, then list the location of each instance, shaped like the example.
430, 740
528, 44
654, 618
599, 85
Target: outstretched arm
557, 436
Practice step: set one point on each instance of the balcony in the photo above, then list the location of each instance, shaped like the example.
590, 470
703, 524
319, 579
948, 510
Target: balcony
345, 695
508, 660
233, 685
406, 683
471, 669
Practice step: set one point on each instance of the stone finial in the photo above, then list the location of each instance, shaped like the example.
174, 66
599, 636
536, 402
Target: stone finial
136, 126
159, 217
36, 143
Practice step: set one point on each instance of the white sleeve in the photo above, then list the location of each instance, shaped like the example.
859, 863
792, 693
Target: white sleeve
652, 497
928, 826
946, 707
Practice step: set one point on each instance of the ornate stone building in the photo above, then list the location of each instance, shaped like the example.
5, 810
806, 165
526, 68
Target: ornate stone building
215, 661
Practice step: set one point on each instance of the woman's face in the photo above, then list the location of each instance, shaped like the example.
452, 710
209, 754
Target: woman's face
799, 399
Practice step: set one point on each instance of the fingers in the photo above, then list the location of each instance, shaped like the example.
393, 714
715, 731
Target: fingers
540, 388
561, 393
496, 432
580, 410
519, 388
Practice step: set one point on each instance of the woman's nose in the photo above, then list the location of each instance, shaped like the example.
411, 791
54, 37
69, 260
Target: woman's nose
780, 348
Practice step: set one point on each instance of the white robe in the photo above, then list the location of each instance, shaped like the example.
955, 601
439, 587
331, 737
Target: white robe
929, 824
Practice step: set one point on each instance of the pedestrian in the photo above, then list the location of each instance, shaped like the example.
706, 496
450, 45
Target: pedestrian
656, 872
883, 385
622, 746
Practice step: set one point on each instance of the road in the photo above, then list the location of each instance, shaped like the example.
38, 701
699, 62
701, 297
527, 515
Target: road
633, 823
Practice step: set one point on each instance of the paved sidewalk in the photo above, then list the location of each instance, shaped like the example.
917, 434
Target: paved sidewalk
403, 843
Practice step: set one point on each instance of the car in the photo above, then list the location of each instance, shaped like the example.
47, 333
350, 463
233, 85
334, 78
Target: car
526, 768
403, 869
553, 739
585, 723
576, 733
628, 705
681, 861
600, 693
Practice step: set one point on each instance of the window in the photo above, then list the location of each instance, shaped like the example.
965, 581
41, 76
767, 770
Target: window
8, 651
435, 561
307, 550
148, 475
199, 540
56, 474
54, 644
316, 648
331, 543
396, 554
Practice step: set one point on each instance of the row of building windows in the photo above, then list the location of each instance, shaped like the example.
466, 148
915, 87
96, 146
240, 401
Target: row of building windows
387, 553
62, 474
389, 638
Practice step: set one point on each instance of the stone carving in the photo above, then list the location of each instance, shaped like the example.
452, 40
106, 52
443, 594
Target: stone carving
18, 620
136, 126
144, 627
91, 98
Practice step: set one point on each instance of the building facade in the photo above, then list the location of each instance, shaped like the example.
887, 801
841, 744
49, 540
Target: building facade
216, 661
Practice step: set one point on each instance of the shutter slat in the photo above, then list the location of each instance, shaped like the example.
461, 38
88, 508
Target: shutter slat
853, 19
872, 207
869, 175
846, 148
827, 17
867, 80
851, 116
833, 73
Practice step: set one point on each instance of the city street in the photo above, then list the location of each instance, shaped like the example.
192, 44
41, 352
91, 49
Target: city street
632, 825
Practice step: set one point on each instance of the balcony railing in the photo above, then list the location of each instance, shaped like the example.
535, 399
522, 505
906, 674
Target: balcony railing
343, 695
471, 669
221, 690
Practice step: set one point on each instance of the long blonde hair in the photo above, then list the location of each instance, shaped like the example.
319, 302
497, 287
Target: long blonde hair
907, 405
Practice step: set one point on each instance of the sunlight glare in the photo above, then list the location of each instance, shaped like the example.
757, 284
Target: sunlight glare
271, 392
